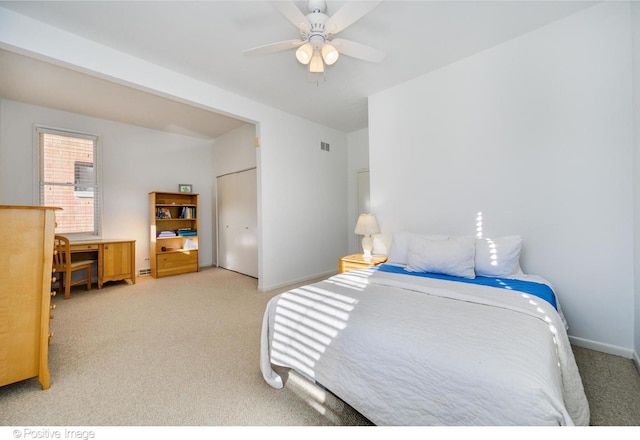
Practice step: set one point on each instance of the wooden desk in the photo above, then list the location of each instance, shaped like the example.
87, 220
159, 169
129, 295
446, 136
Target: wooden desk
116, 258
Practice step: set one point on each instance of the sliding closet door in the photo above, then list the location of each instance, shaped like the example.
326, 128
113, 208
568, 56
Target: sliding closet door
226, 224
238, 222
247, 209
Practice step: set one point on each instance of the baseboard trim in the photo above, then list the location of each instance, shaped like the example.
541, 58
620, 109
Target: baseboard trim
604, 348
292, 283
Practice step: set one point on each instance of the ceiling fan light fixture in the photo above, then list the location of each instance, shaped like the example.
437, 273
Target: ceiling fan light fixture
304, 54
315, 45
329, 54
316, 65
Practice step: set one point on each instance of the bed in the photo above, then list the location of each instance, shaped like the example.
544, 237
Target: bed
420, 340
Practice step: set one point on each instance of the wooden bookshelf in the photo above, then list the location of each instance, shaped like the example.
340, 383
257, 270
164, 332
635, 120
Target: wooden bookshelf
173, 219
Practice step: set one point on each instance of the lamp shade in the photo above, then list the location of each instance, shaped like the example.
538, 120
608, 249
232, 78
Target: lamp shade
316, 65
329, 54
304, 53
367, 225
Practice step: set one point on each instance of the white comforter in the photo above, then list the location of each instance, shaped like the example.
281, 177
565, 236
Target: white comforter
406, 350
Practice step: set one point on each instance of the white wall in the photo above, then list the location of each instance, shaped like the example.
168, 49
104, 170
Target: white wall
135, 161
536, 134
234, 151
301, 199
357, 160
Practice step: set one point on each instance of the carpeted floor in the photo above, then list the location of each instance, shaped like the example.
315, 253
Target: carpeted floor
184, 351
612, 386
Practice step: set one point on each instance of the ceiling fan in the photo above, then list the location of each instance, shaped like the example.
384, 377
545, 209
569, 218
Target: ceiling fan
317, 45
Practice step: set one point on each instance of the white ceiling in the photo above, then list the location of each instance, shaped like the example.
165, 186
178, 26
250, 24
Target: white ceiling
205, 40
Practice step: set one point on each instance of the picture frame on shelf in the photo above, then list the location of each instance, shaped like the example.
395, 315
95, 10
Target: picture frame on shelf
185, 188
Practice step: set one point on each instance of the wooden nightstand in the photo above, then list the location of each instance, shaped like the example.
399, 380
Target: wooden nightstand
357, 261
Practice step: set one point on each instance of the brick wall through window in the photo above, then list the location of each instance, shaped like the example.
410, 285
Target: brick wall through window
68, 181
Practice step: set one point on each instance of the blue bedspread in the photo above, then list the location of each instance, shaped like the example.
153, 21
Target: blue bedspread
537, 289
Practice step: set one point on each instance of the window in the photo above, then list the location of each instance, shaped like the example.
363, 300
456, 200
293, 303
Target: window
68, 179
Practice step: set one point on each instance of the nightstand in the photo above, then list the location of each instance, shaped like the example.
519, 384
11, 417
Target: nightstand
357, 261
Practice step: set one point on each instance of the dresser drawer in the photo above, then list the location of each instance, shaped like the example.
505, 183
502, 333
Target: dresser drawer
80, 247
347, 266
174, 263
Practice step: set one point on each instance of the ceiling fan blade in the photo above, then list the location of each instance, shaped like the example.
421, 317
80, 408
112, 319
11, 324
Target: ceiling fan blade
293, 14
357, 50
274, 47
349, 14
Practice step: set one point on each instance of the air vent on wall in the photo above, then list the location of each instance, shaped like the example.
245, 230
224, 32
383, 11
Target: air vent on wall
145, 272
324, 146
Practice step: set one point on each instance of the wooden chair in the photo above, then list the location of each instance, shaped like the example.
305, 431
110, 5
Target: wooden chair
64, 266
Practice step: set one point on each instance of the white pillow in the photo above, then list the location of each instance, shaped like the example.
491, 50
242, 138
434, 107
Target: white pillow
400, 246
498, 257
454, 256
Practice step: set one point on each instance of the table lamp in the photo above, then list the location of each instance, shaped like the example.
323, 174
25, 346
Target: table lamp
366, 226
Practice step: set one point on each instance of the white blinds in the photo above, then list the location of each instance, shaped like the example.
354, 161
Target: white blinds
68, 179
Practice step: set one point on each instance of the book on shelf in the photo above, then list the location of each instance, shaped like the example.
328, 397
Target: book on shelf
188, 212
167, 234
163, 213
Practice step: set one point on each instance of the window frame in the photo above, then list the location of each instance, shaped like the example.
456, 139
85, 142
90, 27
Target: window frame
97, 166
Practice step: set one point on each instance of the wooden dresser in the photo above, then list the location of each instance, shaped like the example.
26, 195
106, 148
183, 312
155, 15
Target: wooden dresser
26, 258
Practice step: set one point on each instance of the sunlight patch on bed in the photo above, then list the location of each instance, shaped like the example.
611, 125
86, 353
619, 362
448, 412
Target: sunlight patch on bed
493, 252
288, 349
316, 294
355, 280
505, 285
546, 318
303, 305
295, 345
316, 332
306, 321
319, 322
296, 362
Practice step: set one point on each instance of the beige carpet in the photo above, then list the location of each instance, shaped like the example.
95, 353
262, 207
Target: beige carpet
184, 351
